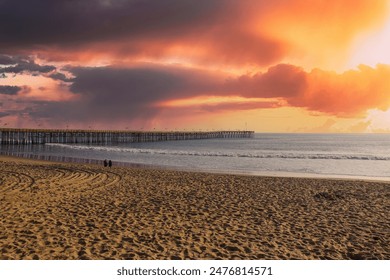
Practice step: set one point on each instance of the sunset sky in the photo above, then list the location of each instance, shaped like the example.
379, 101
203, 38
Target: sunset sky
268, 66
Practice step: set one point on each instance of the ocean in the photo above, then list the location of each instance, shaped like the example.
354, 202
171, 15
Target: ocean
360, 156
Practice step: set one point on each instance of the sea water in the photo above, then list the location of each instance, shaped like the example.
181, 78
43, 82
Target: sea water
324, 155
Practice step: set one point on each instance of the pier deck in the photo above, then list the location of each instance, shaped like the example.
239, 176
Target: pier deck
16, 136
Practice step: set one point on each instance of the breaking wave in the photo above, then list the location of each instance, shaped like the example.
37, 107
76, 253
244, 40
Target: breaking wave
255, 154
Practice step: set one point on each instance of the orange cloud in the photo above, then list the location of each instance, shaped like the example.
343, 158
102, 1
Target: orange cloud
351, 93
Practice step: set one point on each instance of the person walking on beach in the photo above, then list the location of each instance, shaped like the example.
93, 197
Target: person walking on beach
110, 163
105, 163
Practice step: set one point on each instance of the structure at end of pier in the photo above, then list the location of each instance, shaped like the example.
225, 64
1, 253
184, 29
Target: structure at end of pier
13, 136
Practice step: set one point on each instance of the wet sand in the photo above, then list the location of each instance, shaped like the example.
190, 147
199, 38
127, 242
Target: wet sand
74, 211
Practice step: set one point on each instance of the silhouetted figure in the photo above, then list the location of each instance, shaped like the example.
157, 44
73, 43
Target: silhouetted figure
105, 163
110, 163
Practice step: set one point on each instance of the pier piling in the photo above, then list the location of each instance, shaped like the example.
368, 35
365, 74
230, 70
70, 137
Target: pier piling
15, 136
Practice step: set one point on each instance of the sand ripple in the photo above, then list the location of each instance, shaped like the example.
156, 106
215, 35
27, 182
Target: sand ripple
70, 211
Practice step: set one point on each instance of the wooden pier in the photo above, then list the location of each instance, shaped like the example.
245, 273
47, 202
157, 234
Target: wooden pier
14, 136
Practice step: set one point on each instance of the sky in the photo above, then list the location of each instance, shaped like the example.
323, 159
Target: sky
267, 66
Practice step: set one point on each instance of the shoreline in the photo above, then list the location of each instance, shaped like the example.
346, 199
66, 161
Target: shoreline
53, 210
61, 159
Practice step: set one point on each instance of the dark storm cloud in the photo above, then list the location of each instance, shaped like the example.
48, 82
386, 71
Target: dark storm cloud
38, 22
118, 93
136, 27
20, 64
123, 93
6, 59
60, 77
10, 90
28, 67
144, 83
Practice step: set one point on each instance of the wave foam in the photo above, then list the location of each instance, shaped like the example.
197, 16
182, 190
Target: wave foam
257, 154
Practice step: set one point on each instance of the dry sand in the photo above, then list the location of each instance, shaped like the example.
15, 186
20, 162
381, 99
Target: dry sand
73, 211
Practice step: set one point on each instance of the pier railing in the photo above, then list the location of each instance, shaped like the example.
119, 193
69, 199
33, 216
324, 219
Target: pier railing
42, 136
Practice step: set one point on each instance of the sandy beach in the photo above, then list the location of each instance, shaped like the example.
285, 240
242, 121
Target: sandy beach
74, 211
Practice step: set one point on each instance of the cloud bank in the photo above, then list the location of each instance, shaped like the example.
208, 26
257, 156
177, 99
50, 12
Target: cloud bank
123, 60
257, 32
138, 92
